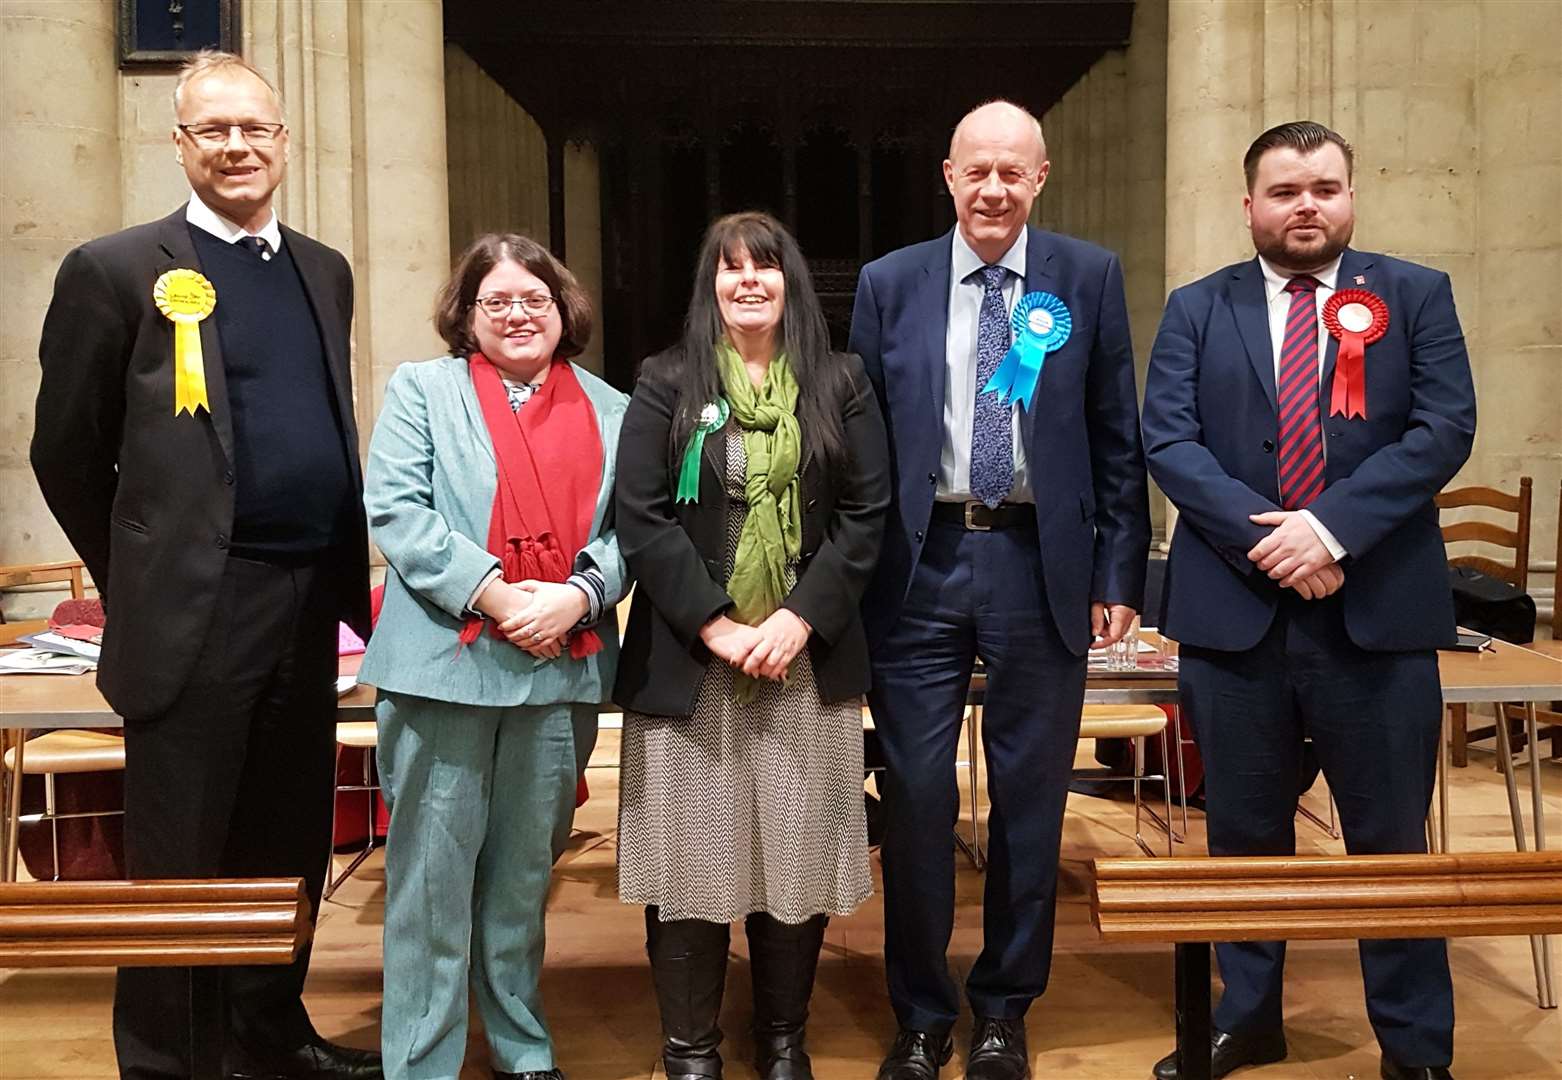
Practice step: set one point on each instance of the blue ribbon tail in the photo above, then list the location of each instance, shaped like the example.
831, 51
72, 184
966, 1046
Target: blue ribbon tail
1018, 374
1002, 381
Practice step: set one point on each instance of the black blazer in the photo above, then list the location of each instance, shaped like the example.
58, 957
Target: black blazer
146, 498
674, 550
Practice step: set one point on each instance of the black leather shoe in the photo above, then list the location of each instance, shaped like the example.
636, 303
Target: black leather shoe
545, 1074
1393, 1070
998, 1050
916, 1055
316, 1060
1230, 1052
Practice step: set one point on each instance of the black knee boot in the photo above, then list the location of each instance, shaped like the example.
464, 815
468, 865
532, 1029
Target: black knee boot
784, 959
689, 967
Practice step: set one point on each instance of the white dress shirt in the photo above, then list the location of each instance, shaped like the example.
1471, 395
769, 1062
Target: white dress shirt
208, 220
965, 309
1279, 308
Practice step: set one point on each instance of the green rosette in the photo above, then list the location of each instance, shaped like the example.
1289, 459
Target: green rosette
712, 417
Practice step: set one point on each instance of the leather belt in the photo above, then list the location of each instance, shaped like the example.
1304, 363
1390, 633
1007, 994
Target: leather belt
978, 517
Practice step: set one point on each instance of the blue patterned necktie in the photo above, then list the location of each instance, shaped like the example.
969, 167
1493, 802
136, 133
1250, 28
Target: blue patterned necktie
992, 430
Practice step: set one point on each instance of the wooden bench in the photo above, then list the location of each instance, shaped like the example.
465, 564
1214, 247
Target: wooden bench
1194, 902
201, 925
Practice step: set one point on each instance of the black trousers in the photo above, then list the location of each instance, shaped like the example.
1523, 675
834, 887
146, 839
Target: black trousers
235, 780
1374, 720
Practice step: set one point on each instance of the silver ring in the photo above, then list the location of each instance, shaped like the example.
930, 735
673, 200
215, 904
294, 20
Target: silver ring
536, 635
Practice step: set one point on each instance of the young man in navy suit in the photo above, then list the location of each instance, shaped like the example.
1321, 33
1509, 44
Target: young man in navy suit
1302, 409
1017, 532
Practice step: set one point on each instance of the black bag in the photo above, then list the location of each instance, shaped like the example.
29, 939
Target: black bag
1491, 606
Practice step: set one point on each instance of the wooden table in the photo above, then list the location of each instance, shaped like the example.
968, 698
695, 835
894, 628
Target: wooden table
1504, 673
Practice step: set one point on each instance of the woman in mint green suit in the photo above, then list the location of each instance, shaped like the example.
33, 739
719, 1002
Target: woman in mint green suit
488, 485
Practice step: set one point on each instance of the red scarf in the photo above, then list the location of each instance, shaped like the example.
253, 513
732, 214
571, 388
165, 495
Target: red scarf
537, 529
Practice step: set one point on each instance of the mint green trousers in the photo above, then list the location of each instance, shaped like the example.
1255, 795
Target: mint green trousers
481, 801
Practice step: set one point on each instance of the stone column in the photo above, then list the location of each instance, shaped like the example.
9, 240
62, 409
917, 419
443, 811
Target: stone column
583, 232
1214, 107
59, 187
400, 193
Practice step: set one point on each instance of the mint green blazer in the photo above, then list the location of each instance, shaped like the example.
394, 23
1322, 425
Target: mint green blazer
429, 492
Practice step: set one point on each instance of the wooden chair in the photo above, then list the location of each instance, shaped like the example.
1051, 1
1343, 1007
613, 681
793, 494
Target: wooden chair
360, 735
1192, 903
65, 751
1136, 723
1516, 540
1547, 719
22, 575
196, 924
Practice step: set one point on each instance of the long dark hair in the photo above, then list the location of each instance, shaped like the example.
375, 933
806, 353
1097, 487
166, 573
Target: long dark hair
805, 338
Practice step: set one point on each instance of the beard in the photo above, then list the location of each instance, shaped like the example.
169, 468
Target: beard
1282, 249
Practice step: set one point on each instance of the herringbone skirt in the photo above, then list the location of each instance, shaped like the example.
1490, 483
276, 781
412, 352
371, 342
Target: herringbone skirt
743, 808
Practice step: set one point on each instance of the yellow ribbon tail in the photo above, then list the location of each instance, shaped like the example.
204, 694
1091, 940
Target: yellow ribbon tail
189, 369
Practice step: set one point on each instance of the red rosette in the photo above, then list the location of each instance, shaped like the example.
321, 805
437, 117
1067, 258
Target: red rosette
1356, 318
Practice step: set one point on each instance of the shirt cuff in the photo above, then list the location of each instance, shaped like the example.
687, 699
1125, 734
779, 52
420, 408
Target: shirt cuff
591, 582
471, 601
1336, 549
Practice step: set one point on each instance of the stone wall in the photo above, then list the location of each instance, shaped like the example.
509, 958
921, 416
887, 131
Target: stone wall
499, 179
1107, 142
363, 88
1455, 110
1455, 107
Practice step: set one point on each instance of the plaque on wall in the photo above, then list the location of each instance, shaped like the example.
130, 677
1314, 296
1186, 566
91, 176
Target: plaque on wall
163, 33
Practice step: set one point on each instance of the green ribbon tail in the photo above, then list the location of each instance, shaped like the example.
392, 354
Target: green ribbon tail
689, 471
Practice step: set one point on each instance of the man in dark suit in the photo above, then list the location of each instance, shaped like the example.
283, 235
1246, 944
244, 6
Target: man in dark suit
1017, 532
1307, 580
226, 538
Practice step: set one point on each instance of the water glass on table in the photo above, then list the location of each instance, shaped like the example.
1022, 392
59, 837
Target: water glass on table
1123, 655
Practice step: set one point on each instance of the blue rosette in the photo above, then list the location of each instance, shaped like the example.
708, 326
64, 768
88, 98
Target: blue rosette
1041, 324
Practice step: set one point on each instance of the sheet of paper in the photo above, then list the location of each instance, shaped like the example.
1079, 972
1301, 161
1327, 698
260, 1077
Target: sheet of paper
37, 662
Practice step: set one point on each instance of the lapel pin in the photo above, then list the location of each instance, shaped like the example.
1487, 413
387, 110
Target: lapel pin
1360, 280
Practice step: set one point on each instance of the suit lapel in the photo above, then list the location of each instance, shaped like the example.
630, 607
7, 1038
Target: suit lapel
1250, 307
316, 275
1038, 278
1353, 264
179, 251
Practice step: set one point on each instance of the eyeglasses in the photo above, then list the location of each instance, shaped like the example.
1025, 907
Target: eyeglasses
499, 307
214, 135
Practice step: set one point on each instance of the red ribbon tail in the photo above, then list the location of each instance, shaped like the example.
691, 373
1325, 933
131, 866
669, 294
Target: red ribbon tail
1348, 394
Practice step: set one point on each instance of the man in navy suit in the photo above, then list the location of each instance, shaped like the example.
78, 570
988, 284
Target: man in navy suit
1307, 581
1017, 533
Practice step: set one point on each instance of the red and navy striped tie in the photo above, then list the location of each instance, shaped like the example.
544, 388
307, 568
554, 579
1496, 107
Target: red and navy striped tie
1301, 427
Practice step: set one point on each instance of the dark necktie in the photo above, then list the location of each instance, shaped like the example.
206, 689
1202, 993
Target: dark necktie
1300, 460
256, 245
992, 430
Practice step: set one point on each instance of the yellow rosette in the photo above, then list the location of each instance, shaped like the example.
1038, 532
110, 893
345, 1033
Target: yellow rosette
185, 297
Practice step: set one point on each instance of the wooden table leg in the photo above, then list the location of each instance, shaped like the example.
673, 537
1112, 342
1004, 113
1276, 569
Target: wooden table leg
1548, 997
12, 812
1193, 1011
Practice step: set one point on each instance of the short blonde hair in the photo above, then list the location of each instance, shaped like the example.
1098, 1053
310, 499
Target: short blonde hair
206, 61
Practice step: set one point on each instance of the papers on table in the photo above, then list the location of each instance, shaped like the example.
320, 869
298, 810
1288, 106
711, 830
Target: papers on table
50, 641
50, 653
38, 662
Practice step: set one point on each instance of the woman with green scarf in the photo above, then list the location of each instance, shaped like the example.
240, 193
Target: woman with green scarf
753, 480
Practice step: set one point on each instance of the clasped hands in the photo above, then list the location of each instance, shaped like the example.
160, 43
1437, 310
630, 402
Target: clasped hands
765, 651
536, 616
1295, 556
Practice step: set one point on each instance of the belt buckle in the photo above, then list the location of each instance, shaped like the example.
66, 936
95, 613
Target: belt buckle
970, 517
